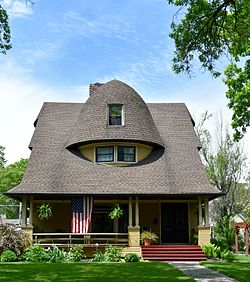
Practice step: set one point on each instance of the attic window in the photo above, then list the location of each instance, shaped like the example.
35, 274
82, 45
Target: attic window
126, 153
115, 114
105, 154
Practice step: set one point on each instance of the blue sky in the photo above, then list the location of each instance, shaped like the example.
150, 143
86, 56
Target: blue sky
60, 47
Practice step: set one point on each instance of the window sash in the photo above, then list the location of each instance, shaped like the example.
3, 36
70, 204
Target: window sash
105, 154
126, 154
115, 114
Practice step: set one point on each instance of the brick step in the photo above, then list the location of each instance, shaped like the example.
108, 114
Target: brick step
175, 259
171, 246
173, 255
172, 251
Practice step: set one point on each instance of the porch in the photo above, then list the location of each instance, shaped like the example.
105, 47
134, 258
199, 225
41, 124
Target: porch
176, 221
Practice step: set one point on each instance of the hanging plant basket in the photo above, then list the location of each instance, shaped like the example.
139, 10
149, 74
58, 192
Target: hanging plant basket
117, 212
44, 211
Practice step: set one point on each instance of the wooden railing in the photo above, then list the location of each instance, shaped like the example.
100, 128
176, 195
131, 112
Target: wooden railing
87, 239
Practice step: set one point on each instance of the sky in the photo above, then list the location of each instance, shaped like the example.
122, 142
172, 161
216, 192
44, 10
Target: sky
60, 47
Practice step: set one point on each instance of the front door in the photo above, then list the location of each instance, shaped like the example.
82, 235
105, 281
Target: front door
174, 223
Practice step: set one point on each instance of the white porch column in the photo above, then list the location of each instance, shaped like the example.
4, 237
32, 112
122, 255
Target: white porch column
130, 215
206, 212
31, 211
137, 212
200, 211
24, 211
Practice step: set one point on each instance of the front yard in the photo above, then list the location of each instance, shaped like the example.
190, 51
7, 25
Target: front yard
238, 270
90, 272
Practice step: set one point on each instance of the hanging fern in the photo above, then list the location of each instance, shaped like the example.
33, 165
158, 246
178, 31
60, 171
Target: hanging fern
44, 211
117, 212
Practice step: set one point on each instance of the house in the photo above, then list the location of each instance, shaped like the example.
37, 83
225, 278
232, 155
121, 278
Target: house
116, 149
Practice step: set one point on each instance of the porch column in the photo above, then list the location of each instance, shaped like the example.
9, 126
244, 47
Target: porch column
200, 211
31, 211
137, 212
24, 211
206, 212
130, 215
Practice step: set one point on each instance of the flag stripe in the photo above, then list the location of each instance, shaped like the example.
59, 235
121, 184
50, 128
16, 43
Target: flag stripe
81, 214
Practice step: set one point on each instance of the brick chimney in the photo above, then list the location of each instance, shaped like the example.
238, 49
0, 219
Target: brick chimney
93, 87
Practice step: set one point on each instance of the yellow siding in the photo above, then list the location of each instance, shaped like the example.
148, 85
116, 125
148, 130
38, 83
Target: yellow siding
142, 151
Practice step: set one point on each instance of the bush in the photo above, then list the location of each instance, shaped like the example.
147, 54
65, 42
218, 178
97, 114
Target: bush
8, 256
76, 253
56, 255
14, 239
228, 255
131, 257
212, 251
35, 253
111, 254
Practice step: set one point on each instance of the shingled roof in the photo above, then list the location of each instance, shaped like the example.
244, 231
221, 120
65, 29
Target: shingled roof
174, 167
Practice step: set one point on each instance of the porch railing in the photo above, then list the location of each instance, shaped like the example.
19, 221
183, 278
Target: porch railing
87, 239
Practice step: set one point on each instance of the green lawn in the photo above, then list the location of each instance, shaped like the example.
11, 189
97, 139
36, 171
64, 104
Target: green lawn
101, 272
239, 270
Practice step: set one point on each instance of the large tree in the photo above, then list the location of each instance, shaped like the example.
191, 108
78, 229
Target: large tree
211, 31
10, 176
225, 164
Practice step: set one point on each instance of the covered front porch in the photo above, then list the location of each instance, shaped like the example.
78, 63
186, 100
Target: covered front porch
175, 220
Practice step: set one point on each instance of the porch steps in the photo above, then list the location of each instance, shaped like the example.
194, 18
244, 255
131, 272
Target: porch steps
173, 253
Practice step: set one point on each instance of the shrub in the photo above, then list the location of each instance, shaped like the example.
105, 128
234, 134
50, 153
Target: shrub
228, 255
111, 254
56, 255
99, 256
14, 239
212, 251
35, 253
8, 256
76, 253
131, 257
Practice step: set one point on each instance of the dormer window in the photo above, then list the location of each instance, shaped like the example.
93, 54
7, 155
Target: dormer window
105, 154
126, 153
115, 114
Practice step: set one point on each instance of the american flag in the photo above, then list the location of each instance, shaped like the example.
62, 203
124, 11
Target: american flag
81, 214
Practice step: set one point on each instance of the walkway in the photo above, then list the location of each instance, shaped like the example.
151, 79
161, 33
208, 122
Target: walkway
201, 273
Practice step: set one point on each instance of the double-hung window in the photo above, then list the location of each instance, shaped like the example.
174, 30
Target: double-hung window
115, 115
105, 154
126, 154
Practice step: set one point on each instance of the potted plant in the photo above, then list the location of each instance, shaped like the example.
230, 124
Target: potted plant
44, 211
148, 237
116, 212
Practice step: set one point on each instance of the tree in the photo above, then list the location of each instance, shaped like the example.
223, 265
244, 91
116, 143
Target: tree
4, 31
2, 158
225, 166
209, 31
11, 176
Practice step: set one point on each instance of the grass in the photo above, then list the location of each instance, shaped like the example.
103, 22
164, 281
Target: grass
239, 270
105, 272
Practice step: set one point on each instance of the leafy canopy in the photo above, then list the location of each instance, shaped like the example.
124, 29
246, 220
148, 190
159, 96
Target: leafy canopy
209, 31
4, 31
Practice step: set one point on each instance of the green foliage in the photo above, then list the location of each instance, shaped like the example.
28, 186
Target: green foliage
13, 239
237, 80
44, 211
211, 30
212, 251
111, 254
76, 253
2, 158
149, 235
131, 257
228, 255
4, 31
36, 253
117, 212
54, 254
8, 256
11, 176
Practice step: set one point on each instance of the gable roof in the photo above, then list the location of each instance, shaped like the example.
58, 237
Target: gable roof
174, 167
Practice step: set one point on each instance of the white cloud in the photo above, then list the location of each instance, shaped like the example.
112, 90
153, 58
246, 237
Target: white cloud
21, 99
17, 9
